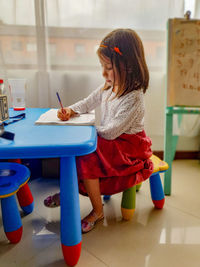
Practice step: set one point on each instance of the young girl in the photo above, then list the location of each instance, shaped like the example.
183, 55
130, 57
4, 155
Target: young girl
121, 159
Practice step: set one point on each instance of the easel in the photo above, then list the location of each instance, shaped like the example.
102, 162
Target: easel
170, 140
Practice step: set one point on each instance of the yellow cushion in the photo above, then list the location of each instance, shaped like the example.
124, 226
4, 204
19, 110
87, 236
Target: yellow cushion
159, 165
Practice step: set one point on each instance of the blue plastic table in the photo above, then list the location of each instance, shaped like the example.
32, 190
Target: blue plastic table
50, 141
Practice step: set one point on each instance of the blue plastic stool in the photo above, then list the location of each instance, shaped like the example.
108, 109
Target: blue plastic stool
13, 179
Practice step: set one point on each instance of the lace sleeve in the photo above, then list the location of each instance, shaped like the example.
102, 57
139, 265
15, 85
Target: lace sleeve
89, 103
129, 115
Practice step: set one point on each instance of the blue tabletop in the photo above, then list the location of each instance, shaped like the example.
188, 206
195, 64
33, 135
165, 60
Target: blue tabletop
46, 141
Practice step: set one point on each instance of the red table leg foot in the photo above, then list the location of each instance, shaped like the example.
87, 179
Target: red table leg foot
15, 236
159, 203
71, 254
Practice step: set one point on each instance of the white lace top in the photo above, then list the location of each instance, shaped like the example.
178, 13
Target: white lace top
118, 115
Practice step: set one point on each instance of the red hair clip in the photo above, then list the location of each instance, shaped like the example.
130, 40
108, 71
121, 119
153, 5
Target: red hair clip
116, 49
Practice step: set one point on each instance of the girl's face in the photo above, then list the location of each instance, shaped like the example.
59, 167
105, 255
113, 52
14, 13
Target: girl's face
107, 70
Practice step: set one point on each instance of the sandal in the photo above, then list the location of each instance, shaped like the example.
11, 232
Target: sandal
52, 201
87, 226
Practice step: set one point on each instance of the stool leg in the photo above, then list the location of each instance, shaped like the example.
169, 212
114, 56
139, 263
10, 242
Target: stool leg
138, 186
157, 193
11, 219
15, 160
106, 197
128, 203
24, 195
25, 199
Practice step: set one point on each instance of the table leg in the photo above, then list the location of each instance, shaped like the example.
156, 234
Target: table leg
168, 152
71, 237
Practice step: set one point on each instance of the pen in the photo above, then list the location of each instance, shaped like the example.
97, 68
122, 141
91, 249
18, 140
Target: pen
63, 111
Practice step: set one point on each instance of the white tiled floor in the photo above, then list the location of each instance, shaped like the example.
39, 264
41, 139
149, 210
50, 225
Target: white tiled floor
153, 238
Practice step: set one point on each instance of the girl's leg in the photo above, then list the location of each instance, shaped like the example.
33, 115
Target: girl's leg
93, 189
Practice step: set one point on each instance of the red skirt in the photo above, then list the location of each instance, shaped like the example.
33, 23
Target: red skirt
119, 164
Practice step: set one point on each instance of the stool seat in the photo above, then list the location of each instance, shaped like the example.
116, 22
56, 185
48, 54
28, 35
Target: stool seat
158, 164
13, 180
12, 177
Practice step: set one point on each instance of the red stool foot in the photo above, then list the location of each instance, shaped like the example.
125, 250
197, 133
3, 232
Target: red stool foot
71, 254
24, 195
15, 236
159, 203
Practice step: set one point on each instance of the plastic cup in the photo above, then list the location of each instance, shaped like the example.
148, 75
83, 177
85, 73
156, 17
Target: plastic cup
17, 88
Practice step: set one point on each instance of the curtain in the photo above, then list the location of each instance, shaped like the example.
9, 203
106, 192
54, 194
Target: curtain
52, 43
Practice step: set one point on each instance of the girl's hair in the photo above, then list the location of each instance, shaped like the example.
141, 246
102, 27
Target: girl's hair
125, 50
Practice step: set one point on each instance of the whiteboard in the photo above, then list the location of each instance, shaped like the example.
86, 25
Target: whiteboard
183, 71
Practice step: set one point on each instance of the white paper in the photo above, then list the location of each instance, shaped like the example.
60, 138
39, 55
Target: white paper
50, 117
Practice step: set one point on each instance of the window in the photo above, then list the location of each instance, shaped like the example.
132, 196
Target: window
80, 48
17, 45
31, 47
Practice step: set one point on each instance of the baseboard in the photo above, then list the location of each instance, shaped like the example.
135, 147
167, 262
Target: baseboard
51, 168
181, 154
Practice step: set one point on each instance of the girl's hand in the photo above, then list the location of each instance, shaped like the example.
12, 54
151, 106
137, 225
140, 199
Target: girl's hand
65, 114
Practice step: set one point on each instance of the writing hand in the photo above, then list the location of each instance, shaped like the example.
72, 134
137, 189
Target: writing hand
64, 114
